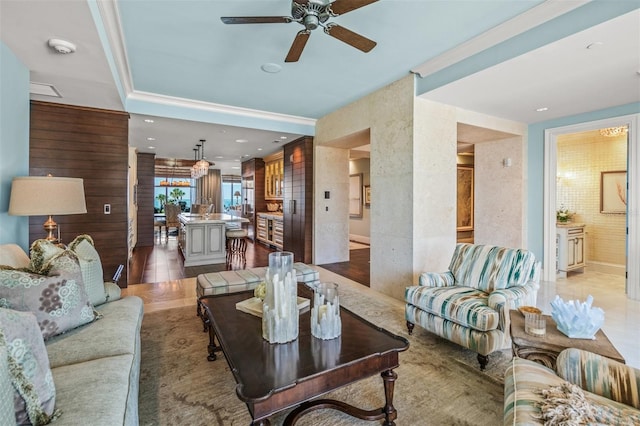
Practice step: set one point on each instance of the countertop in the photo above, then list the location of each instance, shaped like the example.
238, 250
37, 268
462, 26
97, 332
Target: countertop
271, 215
569, 225
188, 218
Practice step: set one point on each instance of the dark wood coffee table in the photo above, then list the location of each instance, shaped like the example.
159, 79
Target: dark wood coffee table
275, 377
546, 349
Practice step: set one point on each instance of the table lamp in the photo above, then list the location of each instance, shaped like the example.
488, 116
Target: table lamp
47, 196
237, 195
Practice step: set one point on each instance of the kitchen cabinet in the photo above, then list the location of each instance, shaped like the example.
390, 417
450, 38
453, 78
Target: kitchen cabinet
298, 198
274, 177
252, 186
202, 239
570, 248
270, 229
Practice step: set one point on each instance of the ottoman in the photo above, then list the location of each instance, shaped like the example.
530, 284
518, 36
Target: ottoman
244, 279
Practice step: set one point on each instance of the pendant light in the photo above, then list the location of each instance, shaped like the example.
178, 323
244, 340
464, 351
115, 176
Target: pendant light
194, 170
203, 165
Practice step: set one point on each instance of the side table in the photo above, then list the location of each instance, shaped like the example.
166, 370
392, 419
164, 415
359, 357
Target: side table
545, 349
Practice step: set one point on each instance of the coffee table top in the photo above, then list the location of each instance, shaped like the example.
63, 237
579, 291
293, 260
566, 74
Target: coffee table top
310, 365
555, 340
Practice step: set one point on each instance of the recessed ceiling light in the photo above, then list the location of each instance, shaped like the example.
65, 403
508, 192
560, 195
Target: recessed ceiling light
151, 139
542, 109
259, 149
242, 140
236, 160
246, 155
235, 168
283, 137
219, 157
595, 45
148, 120
271, 68
151, 147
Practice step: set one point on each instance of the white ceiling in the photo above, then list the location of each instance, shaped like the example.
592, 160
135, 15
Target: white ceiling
174, 61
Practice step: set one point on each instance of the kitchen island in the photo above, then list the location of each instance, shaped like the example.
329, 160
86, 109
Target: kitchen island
202, 237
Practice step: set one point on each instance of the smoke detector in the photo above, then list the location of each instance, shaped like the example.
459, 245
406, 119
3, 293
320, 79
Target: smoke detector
62, 46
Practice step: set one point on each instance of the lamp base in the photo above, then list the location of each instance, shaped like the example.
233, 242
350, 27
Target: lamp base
51, 226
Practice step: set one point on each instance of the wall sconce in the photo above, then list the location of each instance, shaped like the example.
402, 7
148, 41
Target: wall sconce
506, 162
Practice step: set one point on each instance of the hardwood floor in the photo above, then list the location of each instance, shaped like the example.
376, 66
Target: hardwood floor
163, 262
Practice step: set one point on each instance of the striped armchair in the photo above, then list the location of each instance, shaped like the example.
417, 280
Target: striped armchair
609, 391
469, 304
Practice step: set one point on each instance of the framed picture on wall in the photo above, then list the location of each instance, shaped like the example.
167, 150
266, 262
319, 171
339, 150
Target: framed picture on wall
355, 195
464, 220
613, 192
367, 195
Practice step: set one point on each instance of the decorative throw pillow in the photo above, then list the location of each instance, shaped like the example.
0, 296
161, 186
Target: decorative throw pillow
58, 299
567, 405
34, 391
91, 267
41, 252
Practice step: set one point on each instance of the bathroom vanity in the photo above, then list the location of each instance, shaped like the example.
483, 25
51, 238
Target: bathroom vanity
570, 249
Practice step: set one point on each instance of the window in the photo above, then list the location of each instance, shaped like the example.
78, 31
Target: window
178, 191
231, 185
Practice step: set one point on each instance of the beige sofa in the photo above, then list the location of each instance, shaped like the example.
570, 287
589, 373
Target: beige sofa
95, 367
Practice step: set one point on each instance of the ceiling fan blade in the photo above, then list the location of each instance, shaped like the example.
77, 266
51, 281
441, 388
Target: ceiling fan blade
340, 7
349, 37
255, 19
298, 46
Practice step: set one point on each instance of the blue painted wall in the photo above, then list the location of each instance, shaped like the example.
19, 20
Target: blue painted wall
14, 142
535, 155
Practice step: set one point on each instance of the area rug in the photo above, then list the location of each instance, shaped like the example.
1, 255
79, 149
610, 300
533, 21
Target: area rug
438, 382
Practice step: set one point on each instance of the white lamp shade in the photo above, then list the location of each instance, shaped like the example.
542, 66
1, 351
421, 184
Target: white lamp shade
46, 195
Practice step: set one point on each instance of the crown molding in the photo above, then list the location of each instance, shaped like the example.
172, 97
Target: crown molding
110, 17
535, 16
175, 102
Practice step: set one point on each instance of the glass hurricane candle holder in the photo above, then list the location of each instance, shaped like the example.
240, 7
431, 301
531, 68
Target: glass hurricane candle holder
280, 306
325, 313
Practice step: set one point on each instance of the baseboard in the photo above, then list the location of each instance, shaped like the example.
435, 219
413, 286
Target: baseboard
359, 239
607, 268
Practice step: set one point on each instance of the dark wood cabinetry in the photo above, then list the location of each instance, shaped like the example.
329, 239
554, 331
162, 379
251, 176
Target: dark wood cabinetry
91, 144
146, 197
252, 192
298, 198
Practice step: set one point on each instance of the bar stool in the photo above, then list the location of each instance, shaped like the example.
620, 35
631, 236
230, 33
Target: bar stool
236, 242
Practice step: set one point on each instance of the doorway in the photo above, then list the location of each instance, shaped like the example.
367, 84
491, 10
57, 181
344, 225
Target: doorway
554, 191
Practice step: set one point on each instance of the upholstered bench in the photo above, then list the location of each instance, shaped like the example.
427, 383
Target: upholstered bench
244, 279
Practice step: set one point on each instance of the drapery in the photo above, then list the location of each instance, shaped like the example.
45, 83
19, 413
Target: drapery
209, 189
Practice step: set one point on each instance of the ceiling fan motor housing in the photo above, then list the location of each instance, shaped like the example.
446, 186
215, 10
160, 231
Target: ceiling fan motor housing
311, 14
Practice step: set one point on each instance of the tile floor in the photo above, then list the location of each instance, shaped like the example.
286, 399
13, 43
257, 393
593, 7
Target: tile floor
622, 315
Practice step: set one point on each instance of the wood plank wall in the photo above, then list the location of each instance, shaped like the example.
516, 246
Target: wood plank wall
91, 144
146, 198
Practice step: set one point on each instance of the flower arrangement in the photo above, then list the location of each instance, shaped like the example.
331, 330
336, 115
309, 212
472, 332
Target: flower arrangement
563, 215
260, 291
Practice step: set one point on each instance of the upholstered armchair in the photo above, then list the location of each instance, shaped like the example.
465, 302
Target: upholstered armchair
469, 304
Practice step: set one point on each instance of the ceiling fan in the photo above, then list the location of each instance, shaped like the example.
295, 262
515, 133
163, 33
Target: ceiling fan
313, 14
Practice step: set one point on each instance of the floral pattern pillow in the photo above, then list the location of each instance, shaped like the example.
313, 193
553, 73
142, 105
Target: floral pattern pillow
34, 393
58, 299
